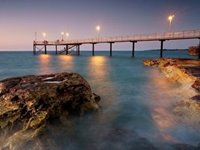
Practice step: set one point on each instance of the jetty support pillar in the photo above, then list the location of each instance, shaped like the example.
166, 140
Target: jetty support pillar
93, 48
78, 49
45, 49
56, 46
34, 49
67, 49
199, 49
111, 48
133, 48
161, 48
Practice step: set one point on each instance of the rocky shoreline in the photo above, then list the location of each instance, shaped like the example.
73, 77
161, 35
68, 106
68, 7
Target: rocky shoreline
29, 103
184, 71
187, 73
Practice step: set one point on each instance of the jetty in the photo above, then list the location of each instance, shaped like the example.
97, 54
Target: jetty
73, 45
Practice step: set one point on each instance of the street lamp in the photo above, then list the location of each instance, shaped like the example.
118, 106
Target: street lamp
98, 28
67, 35
170, 19
35, 36
62, 33
44, 35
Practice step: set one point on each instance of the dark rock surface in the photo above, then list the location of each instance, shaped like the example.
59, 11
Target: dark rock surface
181, 146
28, 103
196, 84
193, 50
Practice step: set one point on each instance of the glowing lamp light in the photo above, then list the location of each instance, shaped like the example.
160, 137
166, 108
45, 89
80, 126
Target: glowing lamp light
44, 34
170, 19
62, 33
67, 34
98, 28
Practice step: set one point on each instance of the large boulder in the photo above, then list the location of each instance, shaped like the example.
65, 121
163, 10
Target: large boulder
28, 103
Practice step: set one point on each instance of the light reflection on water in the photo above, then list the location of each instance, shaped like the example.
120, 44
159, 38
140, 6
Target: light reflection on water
161, 105
164, 96
44, 64
136, 101
99, 75
97, 68
66, 62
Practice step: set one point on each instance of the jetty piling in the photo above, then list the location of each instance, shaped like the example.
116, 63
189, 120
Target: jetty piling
56, 46
111, 48
67, 49
93, 49
133, 48
199, 49
161, 48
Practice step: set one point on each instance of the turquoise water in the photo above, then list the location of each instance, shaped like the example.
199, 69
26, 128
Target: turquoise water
136, 101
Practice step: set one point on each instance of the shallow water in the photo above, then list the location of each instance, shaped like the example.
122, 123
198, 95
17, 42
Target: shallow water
136, 101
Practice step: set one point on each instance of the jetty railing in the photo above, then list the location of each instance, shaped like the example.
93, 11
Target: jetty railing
191, 34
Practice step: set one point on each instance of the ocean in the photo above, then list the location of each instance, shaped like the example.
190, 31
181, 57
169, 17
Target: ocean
136, 101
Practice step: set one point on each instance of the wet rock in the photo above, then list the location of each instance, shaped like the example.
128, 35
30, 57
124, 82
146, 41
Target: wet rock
151, 62
28, 103
193, 50
196, 98
184, 71
196, 84
181, 146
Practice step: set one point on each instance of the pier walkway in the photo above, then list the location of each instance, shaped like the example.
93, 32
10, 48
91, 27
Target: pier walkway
39, 46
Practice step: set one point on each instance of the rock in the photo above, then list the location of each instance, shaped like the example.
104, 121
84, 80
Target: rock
196, 98
187, 73
180, 146
28, 103
193, 50
184, 71
151, 62
196, 85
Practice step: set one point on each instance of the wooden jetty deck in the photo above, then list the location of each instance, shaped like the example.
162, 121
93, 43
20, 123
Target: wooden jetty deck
69, 45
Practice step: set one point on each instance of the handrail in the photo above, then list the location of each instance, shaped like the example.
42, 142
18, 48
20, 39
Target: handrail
137, 37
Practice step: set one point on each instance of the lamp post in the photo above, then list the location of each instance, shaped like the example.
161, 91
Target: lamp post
98, 28
44, 35
62, 34
35, 36
67, 35
170, 19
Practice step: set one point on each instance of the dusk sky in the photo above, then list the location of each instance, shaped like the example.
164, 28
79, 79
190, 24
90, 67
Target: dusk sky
20, 19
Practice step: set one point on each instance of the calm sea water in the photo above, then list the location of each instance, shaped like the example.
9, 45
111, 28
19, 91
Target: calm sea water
136, 101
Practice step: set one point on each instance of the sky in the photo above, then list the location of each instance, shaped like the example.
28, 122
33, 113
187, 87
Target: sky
20, 19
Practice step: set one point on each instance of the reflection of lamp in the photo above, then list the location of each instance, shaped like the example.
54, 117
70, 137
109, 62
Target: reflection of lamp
62, 33
97, 67
44, 35
170, 18
44, 61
